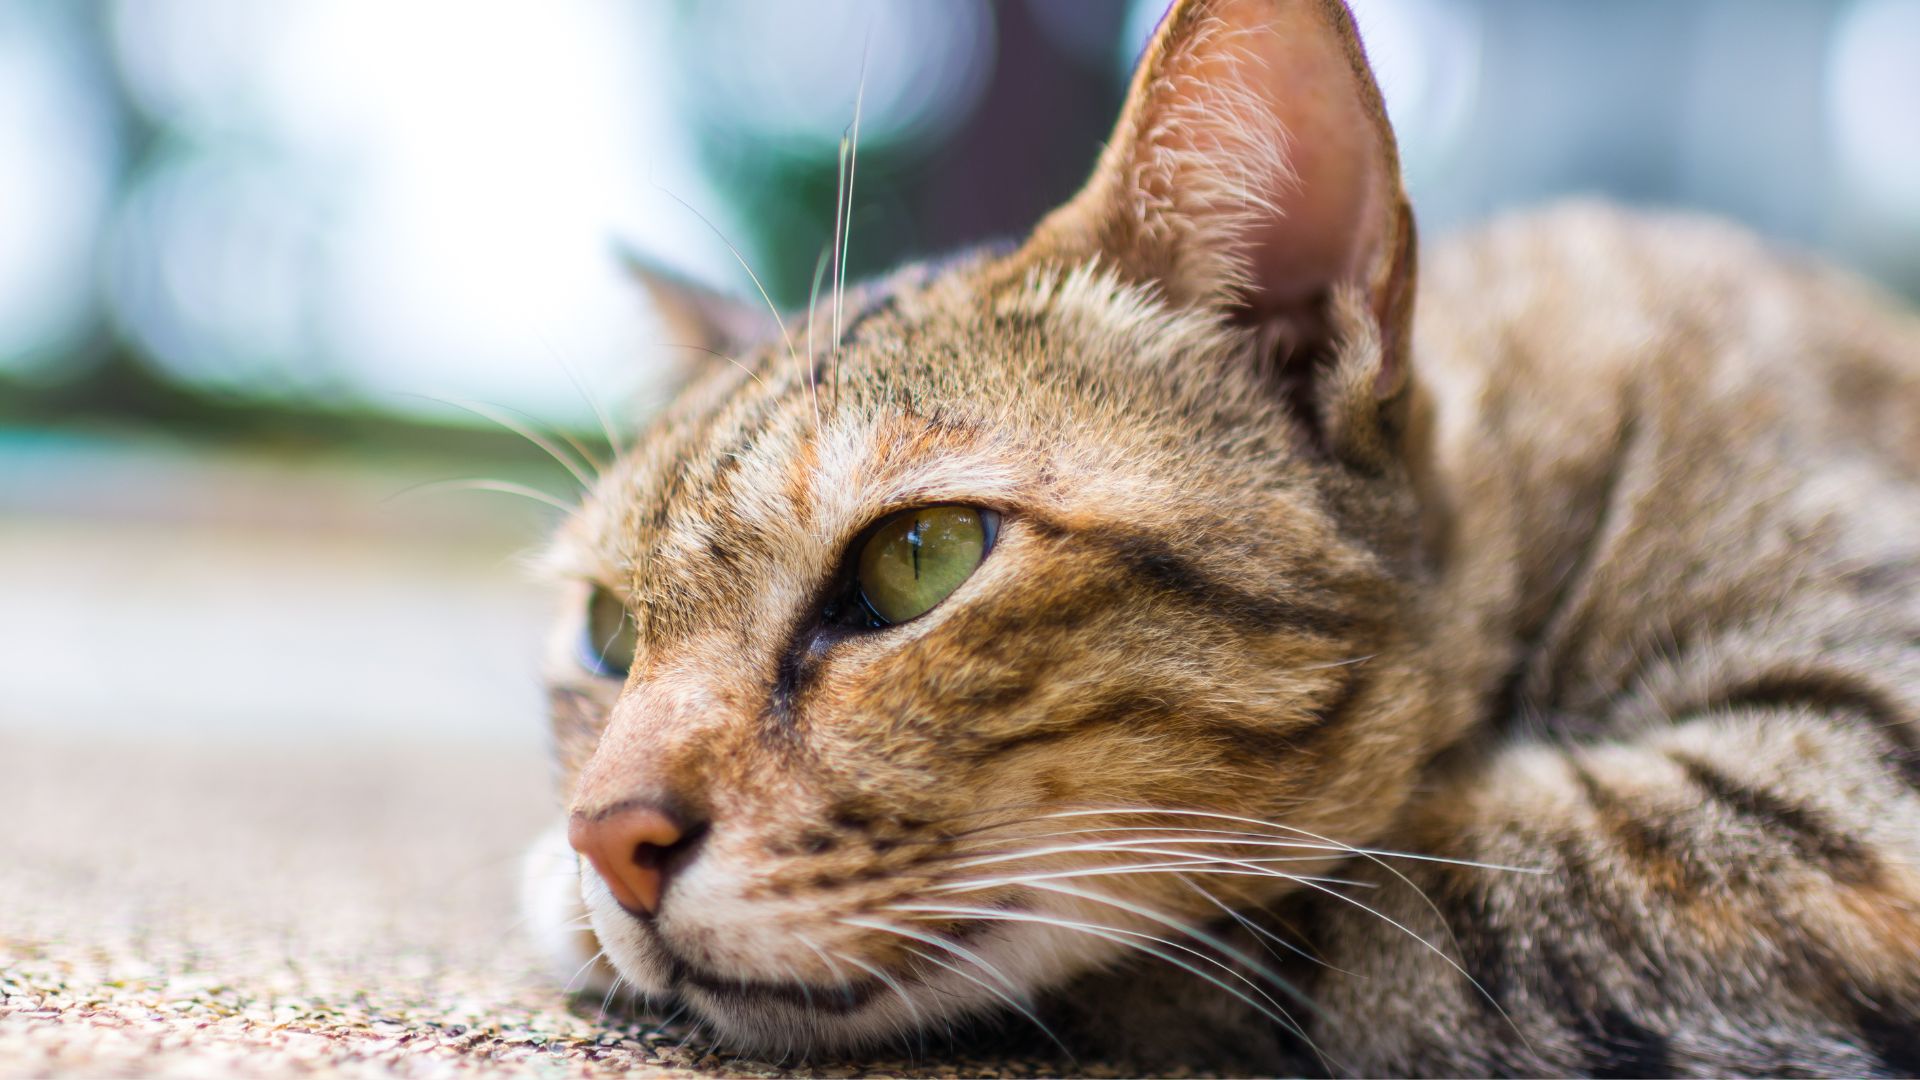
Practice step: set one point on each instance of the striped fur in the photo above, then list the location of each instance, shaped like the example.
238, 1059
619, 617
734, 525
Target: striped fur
1522, 682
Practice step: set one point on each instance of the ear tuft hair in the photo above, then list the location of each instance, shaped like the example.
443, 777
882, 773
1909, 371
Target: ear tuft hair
1253, 172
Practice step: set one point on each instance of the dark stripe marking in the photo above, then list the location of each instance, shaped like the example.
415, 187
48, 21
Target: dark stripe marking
1154, 562
1615, 1044
1624, 1047
1656, 851
1843, 858
1266, 743
1892, 1038
1483, 950
1828, 693
1815, 691
1121, 707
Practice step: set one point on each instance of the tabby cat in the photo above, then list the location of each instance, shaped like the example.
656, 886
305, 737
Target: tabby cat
1183, 633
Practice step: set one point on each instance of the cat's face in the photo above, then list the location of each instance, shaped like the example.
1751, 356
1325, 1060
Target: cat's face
1051, 609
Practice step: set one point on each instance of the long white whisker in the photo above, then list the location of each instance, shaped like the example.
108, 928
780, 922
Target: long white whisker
839, 217
661, 1027
742, 260
1259, 930
1374, 854
1194, 932
1376, 859
919, 1019
1155, 832
997, 992
1135, 939
577, 469
1403, 928
612, 989
843, 220
606, 425
935, 940
504, 487
813, 302
1104, 845
595, 958
1222, 867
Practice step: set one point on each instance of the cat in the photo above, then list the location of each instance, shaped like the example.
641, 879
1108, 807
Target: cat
1183, 634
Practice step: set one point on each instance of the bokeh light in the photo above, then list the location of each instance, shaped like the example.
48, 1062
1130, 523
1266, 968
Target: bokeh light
1426, 57
364, 208
788, 75
1874, 103
392, 205
56, 157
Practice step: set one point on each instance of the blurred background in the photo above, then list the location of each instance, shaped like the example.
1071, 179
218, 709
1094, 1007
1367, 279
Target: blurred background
276, 278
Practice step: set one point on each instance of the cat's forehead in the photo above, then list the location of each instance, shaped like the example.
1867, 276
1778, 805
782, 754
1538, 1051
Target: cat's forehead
951, 380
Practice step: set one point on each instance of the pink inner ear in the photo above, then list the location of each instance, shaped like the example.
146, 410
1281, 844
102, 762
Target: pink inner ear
1329, 227
1285, 71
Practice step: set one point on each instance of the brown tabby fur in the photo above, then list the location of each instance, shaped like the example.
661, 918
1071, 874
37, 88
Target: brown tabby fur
1583, 593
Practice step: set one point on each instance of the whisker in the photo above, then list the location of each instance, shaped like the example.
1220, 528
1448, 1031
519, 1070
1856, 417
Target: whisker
919, 1019
595, 958
660, 1028
576, 469
742, 260
585, 457
751, 374
935, 940
1199, 863
1194, 932
813, 303
606, 425
607, 1001
1135, 939
969, 862
1259, 930
995, 991
504, 487
843, 224
1403, 928
1375, 854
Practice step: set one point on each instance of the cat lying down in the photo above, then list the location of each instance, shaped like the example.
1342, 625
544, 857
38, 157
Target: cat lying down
1194, 635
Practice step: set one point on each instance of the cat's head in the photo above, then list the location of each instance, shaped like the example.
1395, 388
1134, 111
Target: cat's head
1025, 604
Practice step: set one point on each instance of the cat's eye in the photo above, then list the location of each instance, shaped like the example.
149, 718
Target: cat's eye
609, 637
917, 558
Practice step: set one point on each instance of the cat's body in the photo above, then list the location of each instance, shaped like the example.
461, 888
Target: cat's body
1579, 586
1678, 473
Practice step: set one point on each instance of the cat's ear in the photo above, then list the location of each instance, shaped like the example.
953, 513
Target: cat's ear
692, 315
1253, 170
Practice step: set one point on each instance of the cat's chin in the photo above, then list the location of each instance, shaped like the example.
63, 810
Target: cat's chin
862, 1007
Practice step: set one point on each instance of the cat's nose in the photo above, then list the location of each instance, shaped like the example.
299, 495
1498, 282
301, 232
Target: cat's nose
633, 847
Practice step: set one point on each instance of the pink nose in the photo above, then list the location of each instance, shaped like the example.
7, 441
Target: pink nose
629, 846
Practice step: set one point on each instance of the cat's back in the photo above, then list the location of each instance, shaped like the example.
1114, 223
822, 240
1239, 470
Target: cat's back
1585, 307
1664, 408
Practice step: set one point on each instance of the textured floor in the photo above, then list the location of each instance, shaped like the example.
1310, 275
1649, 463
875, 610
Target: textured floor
277, 910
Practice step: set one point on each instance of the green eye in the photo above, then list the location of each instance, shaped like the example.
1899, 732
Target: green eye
918, 558
609, 638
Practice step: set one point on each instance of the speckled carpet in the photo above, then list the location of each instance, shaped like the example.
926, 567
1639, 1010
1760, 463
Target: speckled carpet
277, 909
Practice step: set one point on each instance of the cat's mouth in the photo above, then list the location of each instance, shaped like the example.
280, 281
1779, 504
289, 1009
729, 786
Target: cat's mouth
849, 1001
838, 998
